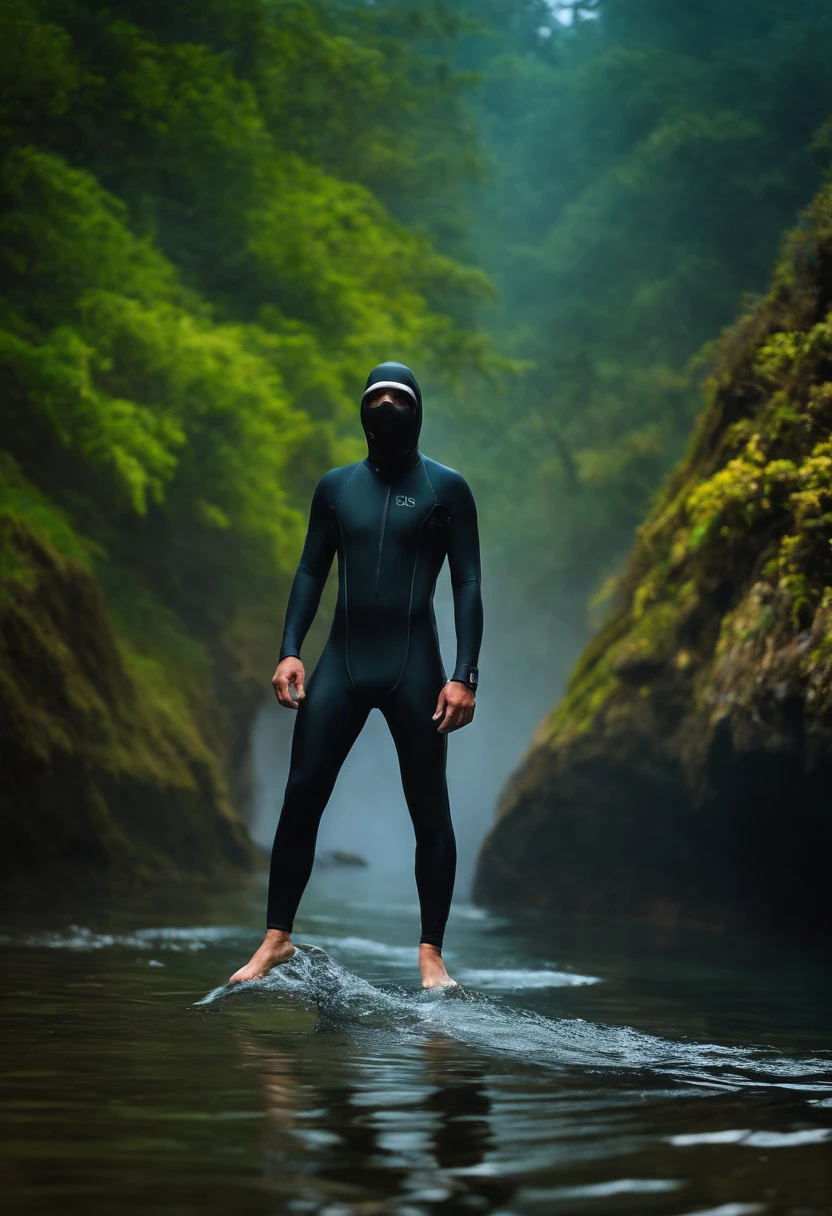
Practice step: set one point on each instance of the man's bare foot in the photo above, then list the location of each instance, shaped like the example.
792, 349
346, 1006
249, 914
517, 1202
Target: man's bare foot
277, 948
432, 968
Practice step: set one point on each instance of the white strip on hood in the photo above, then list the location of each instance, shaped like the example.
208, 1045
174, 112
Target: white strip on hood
389, 384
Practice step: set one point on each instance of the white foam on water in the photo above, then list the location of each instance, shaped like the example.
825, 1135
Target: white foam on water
177, 940
507, 978
730, 1209
480, 915
603, 1190
480, 1021
389, 907
410, 909
726, 1137
813, 1135
763, 1139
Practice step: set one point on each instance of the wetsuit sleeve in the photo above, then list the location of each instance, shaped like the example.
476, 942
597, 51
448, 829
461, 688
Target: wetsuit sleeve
311, 575
464, 563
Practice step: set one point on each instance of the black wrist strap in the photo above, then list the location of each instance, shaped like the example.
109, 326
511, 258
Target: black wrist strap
469, 676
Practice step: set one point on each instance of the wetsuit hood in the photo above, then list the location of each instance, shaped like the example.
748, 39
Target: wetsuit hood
392, 433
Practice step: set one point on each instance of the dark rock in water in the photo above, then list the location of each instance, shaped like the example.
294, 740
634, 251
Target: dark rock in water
687, 773
338, 857
101, 779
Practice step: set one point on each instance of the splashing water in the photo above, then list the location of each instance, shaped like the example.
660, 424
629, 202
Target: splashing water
631, 1070
479, 1021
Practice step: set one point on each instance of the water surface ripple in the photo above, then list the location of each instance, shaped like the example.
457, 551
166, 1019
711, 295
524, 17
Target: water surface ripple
579, 1067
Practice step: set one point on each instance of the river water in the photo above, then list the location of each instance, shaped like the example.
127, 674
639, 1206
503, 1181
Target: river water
590, 1067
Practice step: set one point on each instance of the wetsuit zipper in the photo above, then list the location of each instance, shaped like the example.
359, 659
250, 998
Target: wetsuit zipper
381, 539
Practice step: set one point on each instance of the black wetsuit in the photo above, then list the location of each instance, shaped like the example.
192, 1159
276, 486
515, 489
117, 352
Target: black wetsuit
392, 526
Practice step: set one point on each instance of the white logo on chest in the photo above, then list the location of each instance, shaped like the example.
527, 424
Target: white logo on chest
402, 500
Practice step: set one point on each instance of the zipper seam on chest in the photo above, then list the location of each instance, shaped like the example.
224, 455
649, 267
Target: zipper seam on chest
410, 611
381, 539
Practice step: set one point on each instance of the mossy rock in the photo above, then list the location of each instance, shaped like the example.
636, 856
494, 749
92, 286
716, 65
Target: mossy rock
687, 773
105, 775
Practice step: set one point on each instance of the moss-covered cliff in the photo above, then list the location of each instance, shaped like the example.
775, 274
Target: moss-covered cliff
687, 772
108, 773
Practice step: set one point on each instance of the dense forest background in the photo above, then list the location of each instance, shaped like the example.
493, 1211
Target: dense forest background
216, 218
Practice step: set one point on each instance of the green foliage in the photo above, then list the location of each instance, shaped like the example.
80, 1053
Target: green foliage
643, 166
741, 537
193, 295
19, 499
217, 216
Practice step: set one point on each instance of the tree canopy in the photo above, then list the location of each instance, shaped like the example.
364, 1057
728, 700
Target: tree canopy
216, 217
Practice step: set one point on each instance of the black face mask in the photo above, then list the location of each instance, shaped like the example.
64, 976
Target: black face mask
392, 431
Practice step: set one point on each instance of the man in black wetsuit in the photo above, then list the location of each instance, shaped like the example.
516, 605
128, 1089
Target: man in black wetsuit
392, 518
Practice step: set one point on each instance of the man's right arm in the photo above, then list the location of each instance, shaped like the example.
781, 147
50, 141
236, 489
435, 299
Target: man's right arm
311, 575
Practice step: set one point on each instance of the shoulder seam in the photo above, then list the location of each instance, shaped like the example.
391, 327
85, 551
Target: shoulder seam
346, 483
453, 479
430, 483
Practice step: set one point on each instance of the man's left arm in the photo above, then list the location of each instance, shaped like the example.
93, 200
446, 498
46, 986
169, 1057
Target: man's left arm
457, 698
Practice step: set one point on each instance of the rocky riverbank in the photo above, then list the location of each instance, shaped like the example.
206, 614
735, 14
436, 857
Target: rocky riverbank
108, 772
687, 773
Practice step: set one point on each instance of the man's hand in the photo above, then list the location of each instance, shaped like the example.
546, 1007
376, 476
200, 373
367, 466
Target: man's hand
289, 671
455, 706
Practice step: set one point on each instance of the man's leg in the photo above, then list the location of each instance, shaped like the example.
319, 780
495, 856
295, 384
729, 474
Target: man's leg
329, 720
422, 753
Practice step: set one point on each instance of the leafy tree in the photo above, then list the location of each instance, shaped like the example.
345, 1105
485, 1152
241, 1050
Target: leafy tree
195, 286
644, 159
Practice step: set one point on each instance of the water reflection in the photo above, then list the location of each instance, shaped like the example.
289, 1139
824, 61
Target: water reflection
692, 1074
362, 1135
